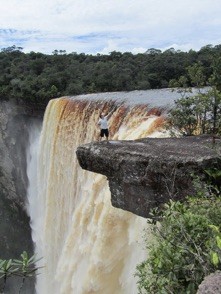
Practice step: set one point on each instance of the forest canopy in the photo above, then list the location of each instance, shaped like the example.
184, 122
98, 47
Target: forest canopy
36, 78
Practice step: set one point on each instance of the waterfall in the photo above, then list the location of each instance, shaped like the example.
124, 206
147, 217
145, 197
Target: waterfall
87, 245
33, 205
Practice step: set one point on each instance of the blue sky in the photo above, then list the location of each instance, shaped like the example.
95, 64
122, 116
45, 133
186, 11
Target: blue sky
101, 26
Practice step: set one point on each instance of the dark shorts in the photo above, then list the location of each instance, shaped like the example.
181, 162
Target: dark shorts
104, 132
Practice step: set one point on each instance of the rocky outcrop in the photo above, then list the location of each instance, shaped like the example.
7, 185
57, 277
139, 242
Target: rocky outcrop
211, 284
146, 173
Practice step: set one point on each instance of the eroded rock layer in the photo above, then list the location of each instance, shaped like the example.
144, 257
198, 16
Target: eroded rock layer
146, 173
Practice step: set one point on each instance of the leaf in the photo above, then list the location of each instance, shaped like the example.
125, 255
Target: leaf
215, 258
2, 263
8, 264
218, 241
214, 228
16, 261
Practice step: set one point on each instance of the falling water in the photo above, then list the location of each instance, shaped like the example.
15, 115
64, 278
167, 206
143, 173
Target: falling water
87, 245
32, 191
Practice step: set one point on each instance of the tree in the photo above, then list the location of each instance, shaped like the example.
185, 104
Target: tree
181, 86
12, 49
30, 77
198, 114
197, 77
183, 116
153, 51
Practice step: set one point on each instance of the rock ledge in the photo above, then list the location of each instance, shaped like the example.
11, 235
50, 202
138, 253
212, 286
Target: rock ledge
146, 173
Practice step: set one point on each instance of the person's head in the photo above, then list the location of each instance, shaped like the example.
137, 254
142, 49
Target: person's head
102, 115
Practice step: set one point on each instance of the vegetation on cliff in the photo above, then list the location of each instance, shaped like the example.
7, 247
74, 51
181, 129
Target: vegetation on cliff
35, 78
186, 247
200, 113
186, 244
24, 268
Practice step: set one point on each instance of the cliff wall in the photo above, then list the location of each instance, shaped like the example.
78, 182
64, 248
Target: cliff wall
15, 228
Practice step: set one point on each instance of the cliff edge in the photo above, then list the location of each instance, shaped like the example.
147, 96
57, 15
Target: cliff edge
146, 173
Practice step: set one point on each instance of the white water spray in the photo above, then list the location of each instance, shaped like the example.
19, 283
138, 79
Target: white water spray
33, 204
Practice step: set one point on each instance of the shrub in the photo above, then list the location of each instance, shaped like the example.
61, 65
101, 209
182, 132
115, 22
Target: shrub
185, 247
24, 268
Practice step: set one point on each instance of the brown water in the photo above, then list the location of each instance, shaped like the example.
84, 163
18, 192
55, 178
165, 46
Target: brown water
87, 245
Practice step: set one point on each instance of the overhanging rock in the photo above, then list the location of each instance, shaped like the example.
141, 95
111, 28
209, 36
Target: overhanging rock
146, 173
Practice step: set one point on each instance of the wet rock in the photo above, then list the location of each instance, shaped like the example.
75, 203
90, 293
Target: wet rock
15, 228
146, 173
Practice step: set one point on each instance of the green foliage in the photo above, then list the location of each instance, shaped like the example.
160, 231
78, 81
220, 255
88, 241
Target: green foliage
35, 78
24, 268
196, 74
183, 115
198, 114
6, 269
26, 265
185, 247
214, 179
216, 246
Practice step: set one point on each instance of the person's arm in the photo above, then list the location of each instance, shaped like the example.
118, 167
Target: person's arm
111, 112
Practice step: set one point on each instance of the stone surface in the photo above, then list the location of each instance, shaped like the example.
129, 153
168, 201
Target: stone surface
15, 228
211, 284
146, 173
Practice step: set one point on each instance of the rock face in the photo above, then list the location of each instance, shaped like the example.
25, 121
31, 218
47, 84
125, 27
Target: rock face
146, 173
15, 228
211, 284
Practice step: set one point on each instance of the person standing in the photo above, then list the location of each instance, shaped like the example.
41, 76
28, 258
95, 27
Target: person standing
103, 123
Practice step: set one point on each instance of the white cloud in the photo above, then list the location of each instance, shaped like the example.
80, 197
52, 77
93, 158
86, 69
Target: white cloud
93, 26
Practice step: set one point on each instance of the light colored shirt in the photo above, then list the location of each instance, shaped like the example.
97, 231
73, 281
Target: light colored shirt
103, 123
